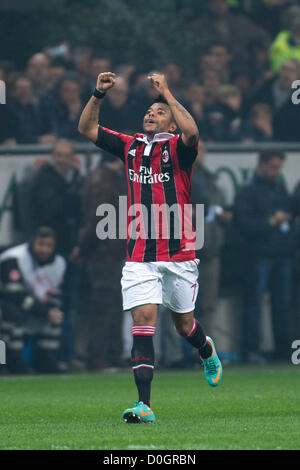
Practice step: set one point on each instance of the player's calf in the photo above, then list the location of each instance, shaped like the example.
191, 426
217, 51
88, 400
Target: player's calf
142, 358
207, 352
196, 337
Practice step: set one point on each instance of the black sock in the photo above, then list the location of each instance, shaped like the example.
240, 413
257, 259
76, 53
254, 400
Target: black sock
142, 358
206, 351
197, 339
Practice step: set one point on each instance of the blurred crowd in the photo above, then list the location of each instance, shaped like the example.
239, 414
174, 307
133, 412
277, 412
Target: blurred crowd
238, 87
240, 91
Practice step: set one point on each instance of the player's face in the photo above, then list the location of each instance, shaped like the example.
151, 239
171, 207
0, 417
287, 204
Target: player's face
158, 118
43, 248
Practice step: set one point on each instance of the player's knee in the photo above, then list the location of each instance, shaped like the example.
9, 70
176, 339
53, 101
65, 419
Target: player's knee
183, 329
142, 316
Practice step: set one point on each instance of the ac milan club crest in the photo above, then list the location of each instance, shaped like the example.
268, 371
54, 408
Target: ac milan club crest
165, 156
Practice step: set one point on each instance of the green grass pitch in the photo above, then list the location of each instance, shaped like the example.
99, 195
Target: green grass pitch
253, 408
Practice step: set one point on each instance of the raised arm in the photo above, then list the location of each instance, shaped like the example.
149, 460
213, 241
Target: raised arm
88, 122
184, 120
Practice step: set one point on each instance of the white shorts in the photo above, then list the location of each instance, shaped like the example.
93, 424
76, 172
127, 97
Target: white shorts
172, 284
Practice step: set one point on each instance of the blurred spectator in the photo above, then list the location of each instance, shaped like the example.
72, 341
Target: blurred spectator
218, 59
267, 13
194, 99
286, 119
205, 191
56, 198
56, 71
7, 70
37, 70
259, 65
8, 134
259, 127
173, 74
103, 260
98, 64
2, 73
60, 110
82, 57
219, 24
286, 45
127, 71
56, 203
212, 84
277, 90
31, 276
25, 112
263, 213
224, 117
241, 79
115, 109
296, 200
286, 123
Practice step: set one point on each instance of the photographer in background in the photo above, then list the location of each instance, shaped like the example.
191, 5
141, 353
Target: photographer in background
31, 276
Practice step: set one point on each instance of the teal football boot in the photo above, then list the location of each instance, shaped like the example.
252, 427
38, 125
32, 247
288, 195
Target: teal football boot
212, 366
140, 413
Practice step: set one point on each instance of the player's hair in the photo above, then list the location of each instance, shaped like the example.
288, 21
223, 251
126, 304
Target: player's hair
266, 155
160, 99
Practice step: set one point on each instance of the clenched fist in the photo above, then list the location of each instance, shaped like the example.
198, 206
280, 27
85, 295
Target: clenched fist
105, 81
159, 82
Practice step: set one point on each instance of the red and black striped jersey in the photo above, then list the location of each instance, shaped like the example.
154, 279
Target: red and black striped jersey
158, 175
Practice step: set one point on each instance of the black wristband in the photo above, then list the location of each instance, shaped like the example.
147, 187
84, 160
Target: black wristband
99, 94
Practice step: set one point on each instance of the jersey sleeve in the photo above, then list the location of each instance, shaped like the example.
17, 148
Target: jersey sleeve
186, 155
112, 142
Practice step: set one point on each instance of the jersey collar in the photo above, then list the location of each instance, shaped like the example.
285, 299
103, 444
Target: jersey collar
157, 137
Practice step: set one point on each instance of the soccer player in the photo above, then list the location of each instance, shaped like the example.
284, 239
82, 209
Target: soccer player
158, 270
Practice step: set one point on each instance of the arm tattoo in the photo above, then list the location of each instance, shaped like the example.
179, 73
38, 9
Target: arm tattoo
94, 111
181, 109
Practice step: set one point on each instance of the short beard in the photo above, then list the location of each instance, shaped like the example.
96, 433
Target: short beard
151, 133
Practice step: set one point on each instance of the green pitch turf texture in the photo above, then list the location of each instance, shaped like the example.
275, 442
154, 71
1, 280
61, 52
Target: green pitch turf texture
253, 408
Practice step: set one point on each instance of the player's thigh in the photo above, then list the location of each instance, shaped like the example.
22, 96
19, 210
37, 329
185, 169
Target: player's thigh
141, 289
180, 286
